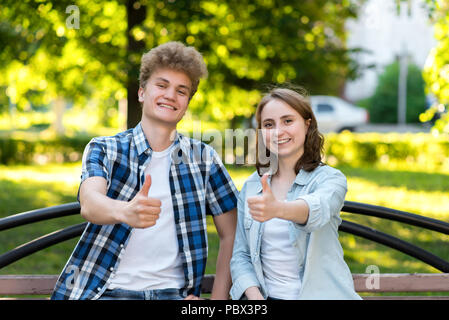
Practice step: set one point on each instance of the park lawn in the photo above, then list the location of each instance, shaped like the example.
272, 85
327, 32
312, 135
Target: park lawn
24, 188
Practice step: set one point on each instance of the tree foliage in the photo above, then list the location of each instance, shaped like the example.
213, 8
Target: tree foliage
383, 105
44, 59
436, 70
246, 44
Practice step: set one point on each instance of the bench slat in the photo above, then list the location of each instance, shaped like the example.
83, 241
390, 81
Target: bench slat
398, 282
27, 284
415, 282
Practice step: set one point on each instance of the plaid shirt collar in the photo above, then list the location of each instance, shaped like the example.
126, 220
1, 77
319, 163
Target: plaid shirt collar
143, 146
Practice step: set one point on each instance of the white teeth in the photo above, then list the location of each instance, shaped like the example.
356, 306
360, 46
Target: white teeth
283, 141
167, 106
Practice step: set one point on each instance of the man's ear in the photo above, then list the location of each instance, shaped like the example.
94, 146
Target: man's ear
141, 93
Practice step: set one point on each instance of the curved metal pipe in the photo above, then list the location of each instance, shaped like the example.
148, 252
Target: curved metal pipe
346, 226
349, 206
41, 243
39, 215
395, 243
396, 215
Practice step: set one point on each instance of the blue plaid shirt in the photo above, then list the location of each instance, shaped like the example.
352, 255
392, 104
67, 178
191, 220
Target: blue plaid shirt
199, 185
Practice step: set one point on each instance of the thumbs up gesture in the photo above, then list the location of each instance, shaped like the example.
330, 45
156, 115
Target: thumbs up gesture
265, 207
142, 211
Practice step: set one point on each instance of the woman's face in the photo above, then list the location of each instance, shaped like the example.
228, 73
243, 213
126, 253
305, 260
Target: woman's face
284, 129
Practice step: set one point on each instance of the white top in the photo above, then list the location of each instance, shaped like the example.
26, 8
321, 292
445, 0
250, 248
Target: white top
151, 259
280, 262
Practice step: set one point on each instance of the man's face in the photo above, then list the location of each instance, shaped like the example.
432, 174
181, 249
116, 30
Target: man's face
166, 96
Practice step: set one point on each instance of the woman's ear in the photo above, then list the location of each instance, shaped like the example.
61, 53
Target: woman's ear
308, 122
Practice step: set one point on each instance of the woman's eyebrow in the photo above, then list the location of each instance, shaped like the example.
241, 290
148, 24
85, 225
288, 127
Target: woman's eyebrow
287, 116
282, 117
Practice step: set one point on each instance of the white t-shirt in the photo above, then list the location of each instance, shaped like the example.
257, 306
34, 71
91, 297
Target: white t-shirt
151, 259
280, 262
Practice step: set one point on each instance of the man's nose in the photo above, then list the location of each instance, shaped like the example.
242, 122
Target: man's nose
170, 93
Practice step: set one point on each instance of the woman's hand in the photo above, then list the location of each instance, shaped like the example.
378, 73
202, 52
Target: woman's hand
265, 207
253, 293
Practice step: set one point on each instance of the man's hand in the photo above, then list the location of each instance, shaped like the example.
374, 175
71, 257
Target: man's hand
142, 211
192, 297
265, 207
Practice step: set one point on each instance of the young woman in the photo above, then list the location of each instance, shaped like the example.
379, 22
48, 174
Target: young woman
286, 244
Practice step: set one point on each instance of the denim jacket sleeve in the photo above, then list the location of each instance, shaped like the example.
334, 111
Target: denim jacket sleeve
325, 198
242, 270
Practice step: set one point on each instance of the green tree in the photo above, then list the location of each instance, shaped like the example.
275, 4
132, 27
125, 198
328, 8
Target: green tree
44, 59
383, 105
246, 45
436, 70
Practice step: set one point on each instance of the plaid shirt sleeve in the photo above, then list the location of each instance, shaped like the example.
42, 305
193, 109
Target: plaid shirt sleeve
95, 162
221, 193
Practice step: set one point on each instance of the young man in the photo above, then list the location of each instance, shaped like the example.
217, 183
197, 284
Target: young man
146, 193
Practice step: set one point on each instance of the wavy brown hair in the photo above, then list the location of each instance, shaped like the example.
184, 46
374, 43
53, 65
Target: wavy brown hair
173, 55
314, 140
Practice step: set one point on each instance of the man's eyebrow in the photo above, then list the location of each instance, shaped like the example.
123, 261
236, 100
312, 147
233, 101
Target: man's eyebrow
162, 79
184, 86
166, 81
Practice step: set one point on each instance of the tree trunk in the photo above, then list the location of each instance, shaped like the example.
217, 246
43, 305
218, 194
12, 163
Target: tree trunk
136, 16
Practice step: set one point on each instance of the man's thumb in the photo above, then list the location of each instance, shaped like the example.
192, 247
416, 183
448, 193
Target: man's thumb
265, 187
146, 185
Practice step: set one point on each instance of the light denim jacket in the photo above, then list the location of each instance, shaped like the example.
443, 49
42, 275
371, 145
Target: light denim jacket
324, 273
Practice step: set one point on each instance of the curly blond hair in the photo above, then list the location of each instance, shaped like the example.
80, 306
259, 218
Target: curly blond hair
173, 55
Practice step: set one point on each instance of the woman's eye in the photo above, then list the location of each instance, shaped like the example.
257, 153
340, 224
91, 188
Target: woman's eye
267, 125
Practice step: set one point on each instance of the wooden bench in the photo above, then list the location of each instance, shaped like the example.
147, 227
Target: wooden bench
30, 285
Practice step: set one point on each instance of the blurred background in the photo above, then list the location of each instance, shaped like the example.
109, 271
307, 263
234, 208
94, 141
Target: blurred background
377, 72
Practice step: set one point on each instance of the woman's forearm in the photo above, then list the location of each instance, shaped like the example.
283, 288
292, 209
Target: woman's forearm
296, 211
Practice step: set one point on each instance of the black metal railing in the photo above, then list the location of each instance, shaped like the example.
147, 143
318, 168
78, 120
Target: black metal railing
346, 226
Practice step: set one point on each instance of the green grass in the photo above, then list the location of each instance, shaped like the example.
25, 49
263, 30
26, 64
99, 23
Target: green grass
24, 188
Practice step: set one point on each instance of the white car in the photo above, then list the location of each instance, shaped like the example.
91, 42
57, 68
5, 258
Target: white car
335, 115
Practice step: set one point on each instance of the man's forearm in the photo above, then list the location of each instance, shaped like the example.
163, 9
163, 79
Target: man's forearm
223, 281
100, 209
